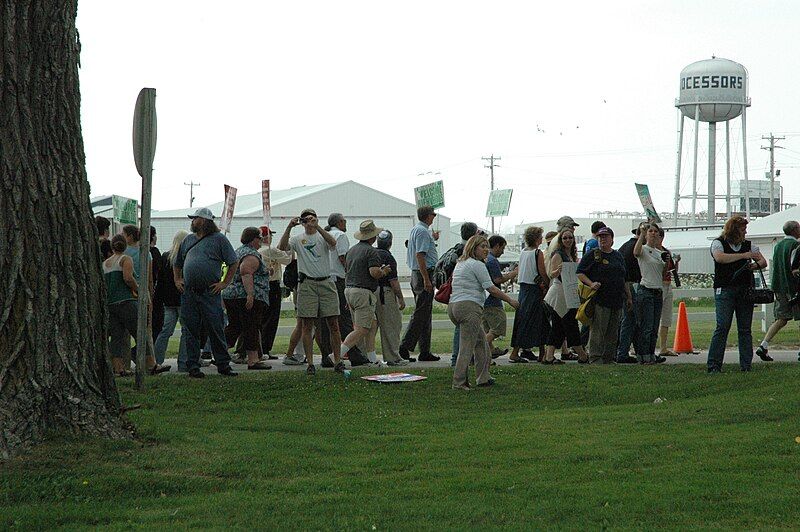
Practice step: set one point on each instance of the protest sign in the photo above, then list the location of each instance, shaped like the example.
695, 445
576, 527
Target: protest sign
394, 377
126, 210
499, 202
647, 203
227, 210
569, 283
265, 205
431, 194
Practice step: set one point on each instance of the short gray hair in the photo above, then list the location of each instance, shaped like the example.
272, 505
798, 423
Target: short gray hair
335, 218
790, 227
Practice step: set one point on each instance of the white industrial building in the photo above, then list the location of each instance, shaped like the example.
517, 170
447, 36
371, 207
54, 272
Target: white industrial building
355, 201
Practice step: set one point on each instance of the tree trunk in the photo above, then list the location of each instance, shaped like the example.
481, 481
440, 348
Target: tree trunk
55, 375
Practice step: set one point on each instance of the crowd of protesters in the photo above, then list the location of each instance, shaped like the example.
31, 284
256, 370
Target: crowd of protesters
230, 299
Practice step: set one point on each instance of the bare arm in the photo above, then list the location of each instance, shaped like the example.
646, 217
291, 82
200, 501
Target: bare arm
127, 274
726, 258
637, 249
540, 268
588, 282
216, 288
423, 270
555, 266
499, 294
398, 293
328, 238
283, 245
177, 276
247, 268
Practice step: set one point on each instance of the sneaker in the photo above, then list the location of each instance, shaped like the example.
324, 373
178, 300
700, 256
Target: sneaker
195, 373
761, 352
311, 370
259, 366
204, 363
339, 368
428, 357
205, 355
291, 361
226, 371
327, 362
400, 362
527, 354
357, 359
660, 360
488, 383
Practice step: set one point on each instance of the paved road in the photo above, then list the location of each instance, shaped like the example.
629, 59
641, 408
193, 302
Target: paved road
731, 356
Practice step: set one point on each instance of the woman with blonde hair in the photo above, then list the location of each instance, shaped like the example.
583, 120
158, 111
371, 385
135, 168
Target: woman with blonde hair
564, 326
470, 281
167, 292
529, 319
735, 258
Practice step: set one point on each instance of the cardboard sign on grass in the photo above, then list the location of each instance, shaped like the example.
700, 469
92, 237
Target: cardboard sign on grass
394, 377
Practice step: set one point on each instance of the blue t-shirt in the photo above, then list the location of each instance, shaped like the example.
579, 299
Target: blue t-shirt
421, 241
590, 245
493, 265
609, 271
202, 265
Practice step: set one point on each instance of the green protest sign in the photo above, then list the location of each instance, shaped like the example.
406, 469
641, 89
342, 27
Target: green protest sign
647, 203
499, 202
126, 210
431, 194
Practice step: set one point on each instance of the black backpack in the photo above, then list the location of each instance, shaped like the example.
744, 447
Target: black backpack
446, 264
290, 276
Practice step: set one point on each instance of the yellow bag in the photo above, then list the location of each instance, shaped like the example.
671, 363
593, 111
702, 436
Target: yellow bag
586, 309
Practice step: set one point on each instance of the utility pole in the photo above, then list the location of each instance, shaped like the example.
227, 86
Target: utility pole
191, 185
772, 138
491, 168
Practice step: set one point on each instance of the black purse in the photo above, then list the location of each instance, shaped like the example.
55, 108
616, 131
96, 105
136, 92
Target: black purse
760, 296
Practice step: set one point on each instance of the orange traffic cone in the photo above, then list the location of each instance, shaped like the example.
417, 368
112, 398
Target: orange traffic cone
683, 337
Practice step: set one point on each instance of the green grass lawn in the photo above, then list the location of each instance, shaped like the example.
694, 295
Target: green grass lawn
570, 447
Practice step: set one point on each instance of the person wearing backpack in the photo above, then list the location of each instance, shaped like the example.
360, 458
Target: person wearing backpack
444, 269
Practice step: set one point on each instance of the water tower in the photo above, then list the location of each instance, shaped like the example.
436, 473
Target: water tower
713, 90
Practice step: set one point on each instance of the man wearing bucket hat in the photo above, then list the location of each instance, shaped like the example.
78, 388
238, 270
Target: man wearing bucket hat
364, 268
316, 293
196, 271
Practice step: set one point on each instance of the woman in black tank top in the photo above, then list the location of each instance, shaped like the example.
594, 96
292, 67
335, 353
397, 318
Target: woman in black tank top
735, 258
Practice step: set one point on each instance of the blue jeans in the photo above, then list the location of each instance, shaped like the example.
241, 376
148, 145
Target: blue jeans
730, 301
649, 302
456, 342
629, 330
170, 320
201, 313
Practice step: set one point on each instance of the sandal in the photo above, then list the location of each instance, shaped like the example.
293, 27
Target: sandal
518, 360
155, 370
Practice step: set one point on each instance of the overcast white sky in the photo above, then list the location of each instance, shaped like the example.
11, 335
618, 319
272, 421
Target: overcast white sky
379, 92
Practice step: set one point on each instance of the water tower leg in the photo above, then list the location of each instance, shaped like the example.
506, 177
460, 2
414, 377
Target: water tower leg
694, 169
744, 157
678, 170
727, 168
712, 172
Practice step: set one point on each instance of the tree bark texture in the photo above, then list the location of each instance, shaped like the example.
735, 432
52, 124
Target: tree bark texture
55, 375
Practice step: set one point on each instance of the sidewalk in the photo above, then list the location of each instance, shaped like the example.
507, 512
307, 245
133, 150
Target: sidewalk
731, 357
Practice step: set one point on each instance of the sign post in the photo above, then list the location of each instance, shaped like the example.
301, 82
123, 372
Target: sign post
144, 151
265, 205
227, 210
499, 203
647, 203
126, 210
431, 194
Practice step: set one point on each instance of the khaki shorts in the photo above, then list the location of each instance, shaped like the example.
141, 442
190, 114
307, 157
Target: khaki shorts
666, 307
781, 309
362, 305
494, 321
317, 299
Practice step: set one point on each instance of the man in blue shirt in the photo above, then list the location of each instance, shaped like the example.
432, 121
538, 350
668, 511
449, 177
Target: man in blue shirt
494, 314
592, 242
197, 270
421, 258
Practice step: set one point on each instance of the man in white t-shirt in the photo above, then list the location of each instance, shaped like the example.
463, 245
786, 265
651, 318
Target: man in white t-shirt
649, 296
316, 293
337, 227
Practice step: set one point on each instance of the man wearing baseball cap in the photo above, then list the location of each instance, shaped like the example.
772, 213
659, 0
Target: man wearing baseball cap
316, 293
566, 222
197, 270
364, 269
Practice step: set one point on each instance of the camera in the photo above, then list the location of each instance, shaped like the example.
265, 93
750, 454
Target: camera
305, 220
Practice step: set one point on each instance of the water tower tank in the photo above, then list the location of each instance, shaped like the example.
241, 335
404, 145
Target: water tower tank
718, 85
